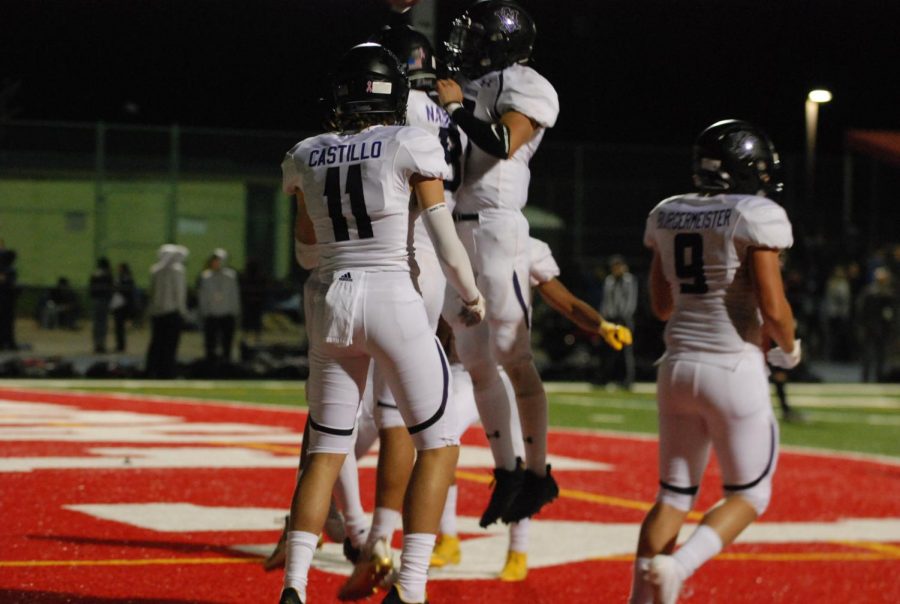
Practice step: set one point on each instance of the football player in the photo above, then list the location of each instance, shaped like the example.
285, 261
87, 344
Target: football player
716, 279
353, 188
490, 45
543, 273
396, 452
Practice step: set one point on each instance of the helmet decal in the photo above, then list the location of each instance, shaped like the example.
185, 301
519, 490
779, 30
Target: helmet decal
378, 87
509, 18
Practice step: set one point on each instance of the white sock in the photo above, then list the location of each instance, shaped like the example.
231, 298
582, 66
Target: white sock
300, 547
384, 523
494, 410
641, 589
533, 414
700, 547
448, 516
414, 563
518, 536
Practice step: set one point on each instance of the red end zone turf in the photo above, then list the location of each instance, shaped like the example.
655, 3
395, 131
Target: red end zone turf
122, 499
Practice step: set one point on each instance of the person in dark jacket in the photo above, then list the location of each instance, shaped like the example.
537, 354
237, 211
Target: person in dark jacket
100, 288
8, 294
122, 303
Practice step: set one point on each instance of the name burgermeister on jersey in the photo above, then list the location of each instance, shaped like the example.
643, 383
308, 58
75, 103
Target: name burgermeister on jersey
693, 220
338, 154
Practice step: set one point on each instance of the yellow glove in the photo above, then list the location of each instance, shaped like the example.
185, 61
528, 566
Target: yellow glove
617, 336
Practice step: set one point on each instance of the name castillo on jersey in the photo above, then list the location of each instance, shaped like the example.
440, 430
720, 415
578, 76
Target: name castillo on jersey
344, 153
692, 221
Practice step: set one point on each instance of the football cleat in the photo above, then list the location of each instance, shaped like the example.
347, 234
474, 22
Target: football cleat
276, 558
289, 595
394, 597
372, 572
351, 553
536, 492
446, 551
507, 484
516, 567
663, 575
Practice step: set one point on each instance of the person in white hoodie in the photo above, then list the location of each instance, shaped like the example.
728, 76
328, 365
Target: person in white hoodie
168, 305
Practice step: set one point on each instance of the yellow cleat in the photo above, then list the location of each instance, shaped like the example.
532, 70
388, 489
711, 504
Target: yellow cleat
372, 572
446, 551
516, 567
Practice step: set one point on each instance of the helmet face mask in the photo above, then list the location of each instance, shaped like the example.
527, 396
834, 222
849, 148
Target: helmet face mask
489, 36
732, 156
370, 87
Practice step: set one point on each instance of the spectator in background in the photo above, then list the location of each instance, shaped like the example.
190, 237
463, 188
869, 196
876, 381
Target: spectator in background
100, 289
168, 306
836, 308
877, 308
122, 303
218, 296
61, 306
254, 288
8, 293
620, 296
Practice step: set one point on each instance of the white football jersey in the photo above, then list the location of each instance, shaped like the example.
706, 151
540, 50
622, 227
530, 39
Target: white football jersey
357, 192
703, 243
490, 182
424, 113
543, 266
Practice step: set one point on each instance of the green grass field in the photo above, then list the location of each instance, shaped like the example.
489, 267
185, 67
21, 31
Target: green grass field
859, 418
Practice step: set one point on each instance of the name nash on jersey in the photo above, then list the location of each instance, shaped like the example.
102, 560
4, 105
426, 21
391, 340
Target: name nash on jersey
337, 154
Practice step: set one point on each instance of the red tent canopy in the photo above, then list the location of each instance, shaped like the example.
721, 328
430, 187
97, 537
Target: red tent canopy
883, 145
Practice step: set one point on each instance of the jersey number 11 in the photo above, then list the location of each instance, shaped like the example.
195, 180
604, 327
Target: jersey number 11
353, 188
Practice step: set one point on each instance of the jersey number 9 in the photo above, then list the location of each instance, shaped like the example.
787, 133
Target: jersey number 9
689, 263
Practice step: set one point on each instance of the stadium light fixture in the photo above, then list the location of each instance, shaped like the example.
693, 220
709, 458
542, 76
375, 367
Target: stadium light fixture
819, 95
814, 98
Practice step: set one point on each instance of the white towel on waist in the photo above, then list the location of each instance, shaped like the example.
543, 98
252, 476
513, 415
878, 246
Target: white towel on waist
341, 301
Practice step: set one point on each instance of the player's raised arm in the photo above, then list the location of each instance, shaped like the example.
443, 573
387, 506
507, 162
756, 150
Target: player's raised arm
493, 37
500, 138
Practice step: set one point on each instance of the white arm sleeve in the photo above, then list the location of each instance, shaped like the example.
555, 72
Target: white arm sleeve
450, 251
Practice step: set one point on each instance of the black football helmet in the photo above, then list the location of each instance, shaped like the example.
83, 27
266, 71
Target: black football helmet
736, 157
414, 52
369, 81
489, 36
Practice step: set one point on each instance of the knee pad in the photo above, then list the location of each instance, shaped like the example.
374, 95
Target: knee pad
679, 498
758, 496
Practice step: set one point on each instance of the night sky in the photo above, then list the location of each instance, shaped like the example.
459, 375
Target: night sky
628, 71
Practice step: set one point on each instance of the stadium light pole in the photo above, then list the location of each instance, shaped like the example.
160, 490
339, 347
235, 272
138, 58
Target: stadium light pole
815, 98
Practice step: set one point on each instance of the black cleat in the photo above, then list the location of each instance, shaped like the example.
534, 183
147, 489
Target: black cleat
289, 595
350, 553
507, 484
536, 492
393, 597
